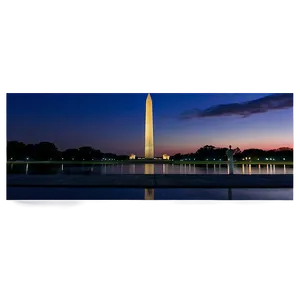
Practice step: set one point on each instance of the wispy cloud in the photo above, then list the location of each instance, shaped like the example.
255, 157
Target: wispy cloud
244, 109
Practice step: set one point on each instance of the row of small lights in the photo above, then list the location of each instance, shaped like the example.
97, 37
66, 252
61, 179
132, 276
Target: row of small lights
246, 158
187, 159
27, 158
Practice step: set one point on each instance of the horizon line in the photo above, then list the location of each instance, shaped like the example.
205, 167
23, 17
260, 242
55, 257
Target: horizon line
164, 152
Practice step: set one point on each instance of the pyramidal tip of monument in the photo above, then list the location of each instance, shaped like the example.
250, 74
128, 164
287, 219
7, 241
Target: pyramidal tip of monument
149, 96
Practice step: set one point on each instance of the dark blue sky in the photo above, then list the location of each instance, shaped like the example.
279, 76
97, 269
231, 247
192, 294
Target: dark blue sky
115, 122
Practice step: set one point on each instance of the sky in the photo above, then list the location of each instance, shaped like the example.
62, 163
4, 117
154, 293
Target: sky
183, 123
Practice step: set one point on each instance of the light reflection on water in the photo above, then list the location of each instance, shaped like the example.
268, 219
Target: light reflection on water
149, 193
20, 193
149, 170
160, 193
85, 200
184, 169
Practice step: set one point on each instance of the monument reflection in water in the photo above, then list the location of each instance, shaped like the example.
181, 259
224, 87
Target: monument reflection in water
149, 170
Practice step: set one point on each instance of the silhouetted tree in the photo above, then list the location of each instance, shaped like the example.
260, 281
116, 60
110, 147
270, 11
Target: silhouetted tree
122, 157
206, 152
220, 153
46, 151
237, 151
15, 150
110, 155
254, 153
97, 154
85, 153
209, 148
30, 151
71, 154
176, 156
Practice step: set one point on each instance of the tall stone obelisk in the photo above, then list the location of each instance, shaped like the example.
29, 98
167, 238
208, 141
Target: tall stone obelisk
149, 144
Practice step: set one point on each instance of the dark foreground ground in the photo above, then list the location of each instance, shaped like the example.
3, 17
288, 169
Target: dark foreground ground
152, 181
140, 202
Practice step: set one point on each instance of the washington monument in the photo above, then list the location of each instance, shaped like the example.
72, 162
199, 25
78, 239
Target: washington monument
149, 145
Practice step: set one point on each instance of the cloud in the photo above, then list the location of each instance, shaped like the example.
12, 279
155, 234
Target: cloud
244, 109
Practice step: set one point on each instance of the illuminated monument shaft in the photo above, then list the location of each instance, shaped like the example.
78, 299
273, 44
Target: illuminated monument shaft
149, 145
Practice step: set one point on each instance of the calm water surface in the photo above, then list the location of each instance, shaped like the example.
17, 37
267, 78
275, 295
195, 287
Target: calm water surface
93, 202
145, 169
20, 193
14, 193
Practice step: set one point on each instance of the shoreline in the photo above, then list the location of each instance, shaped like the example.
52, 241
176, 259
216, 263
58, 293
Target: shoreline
288, 163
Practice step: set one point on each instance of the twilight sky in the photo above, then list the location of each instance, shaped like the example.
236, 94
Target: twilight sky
182, 122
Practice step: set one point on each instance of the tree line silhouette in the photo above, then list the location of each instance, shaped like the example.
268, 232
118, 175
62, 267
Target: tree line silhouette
48, 151
210, 152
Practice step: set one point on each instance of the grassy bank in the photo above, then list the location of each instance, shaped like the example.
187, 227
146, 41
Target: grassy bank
114, 162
